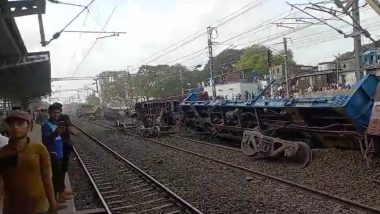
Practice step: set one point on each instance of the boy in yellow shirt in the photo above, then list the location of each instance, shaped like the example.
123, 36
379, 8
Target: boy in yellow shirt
25, 169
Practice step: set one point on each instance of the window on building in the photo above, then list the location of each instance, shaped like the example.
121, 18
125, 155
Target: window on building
343, 77
344, 65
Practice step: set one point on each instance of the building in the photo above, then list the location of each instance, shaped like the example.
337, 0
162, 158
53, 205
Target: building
371, 61
346, 71
341, 70
234, 90
278, 71
235, 85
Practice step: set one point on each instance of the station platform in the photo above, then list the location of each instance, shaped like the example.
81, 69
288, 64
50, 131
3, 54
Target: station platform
35, 136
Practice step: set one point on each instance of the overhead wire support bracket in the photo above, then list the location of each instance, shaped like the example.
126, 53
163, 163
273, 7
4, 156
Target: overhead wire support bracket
66, 3
321, 20
345, 12
84, 31
58, 34
102, 37
280, 25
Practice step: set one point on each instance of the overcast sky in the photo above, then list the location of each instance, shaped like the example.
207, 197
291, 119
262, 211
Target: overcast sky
152, 25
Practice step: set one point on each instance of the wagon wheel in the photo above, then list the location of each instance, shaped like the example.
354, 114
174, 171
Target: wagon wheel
141, 131
249, 146
301, 158
156, 131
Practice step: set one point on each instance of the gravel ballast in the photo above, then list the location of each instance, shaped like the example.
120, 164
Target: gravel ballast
212, 187
85, 196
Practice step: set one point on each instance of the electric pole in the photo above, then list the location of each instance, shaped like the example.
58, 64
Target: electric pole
97, 91
210, 30
286, 66
357, 39
181, 79
269, 64
337, 64
130, 88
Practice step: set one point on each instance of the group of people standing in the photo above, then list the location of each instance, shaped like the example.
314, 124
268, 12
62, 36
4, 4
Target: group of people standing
33, 173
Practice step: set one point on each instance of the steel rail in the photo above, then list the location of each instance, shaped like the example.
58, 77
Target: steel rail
107, 209
324, 194
205, 143
178, 199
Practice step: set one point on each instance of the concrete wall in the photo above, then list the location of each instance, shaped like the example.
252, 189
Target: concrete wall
317, 82
347, 64
326, 66
233, 89
347, 77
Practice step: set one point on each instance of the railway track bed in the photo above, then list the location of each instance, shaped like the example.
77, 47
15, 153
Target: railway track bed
121, 186
223, 184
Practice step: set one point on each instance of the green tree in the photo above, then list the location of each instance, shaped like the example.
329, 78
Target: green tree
255, 58
224, 62
92, 99
113, 86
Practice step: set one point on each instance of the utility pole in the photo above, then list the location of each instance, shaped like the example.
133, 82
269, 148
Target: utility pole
181, 79
357, 39
210, 30
286, 66
269, 64
130, 88
337, 64
98, 91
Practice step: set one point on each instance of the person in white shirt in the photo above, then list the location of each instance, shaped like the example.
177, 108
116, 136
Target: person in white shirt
3, 140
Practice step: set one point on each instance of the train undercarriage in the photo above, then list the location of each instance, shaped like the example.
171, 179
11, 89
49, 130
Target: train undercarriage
288, 129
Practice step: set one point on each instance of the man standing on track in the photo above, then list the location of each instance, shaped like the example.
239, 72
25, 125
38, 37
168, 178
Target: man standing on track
25, 170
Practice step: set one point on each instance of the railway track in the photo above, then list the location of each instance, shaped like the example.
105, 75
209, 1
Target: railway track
205, 143
337, 199
346, 202
123, 187
179, 137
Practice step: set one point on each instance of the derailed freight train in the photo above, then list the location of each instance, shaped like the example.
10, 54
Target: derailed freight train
289, 128
161, 115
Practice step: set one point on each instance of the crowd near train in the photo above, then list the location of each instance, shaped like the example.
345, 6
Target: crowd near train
287, 129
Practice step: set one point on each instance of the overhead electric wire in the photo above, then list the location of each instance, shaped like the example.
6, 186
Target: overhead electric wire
252, 29
188, 55
327, 34
290, 30
323, 40
273, 37
94, 43
198, 34
257, 28
244, 9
